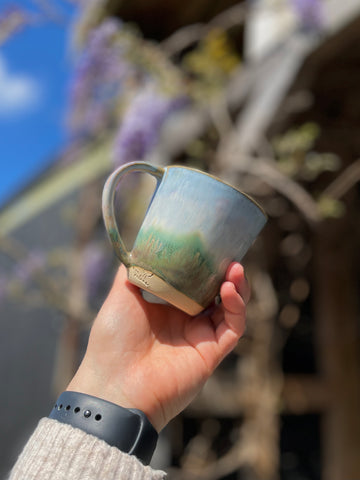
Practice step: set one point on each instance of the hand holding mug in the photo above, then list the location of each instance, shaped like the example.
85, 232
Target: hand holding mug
155, 357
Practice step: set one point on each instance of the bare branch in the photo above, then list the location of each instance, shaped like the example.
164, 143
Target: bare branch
344, 182
183, 38
231, 17
268, 172
190, 34
11, 22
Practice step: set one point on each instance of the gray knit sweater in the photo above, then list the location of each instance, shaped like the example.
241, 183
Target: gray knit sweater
57, 451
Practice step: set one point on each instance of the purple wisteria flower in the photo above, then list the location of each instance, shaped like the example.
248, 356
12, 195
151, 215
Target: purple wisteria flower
96, 265
310, 13
140, 129
25, 269
99, 76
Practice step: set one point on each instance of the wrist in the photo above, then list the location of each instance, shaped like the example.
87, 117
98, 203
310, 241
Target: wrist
87, 384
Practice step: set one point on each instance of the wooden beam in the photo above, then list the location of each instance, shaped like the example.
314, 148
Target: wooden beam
338, 344
94, 161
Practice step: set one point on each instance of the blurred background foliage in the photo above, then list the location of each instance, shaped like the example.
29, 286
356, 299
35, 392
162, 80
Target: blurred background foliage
263, 94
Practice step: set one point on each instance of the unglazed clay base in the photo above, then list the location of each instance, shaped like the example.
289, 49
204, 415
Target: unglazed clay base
153, 284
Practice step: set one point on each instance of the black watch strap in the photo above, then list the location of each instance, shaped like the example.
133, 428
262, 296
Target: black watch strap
127, 429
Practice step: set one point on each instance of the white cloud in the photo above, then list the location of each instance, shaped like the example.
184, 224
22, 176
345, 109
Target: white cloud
19, 93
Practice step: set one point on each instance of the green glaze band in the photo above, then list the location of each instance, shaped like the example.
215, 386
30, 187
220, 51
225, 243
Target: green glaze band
181, 260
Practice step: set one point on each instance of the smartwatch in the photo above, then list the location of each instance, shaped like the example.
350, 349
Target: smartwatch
128, 429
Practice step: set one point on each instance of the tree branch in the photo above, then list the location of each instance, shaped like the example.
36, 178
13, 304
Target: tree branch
344, 182
190, 34
268, 172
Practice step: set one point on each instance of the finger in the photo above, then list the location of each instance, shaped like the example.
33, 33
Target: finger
232, 326
121, 275
121, 281
235, 274
232, 302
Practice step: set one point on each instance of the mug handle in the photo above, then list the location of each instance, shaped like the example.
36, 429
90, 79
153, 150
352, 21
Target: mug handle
108, 203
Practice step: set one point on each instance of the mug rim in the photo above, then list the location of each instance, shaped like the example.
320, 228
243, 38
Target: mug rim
167, 167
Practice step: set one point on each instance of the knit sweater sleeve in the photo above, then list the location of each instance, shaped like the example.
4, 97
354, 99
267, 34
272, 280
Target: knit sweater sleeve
58, 451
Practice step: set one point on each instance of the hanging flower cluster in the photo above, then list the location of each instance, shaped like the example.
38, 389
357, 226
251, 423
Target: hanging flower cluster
123, 83
99, 77
19, 277
310, 13
97, 263
139, 132
23, 271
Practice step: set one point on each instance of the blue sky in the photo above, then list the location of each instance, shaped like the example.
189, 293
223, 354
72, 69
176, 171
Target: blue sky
35, 73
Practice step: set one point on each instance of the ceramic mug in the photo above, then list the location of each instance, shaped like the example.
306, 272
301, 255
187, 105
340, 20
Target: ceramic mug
194, 227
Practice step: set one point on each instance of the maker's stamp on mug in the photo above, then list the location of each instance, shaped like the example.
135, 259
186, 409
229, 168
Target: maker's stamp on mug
142, 276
